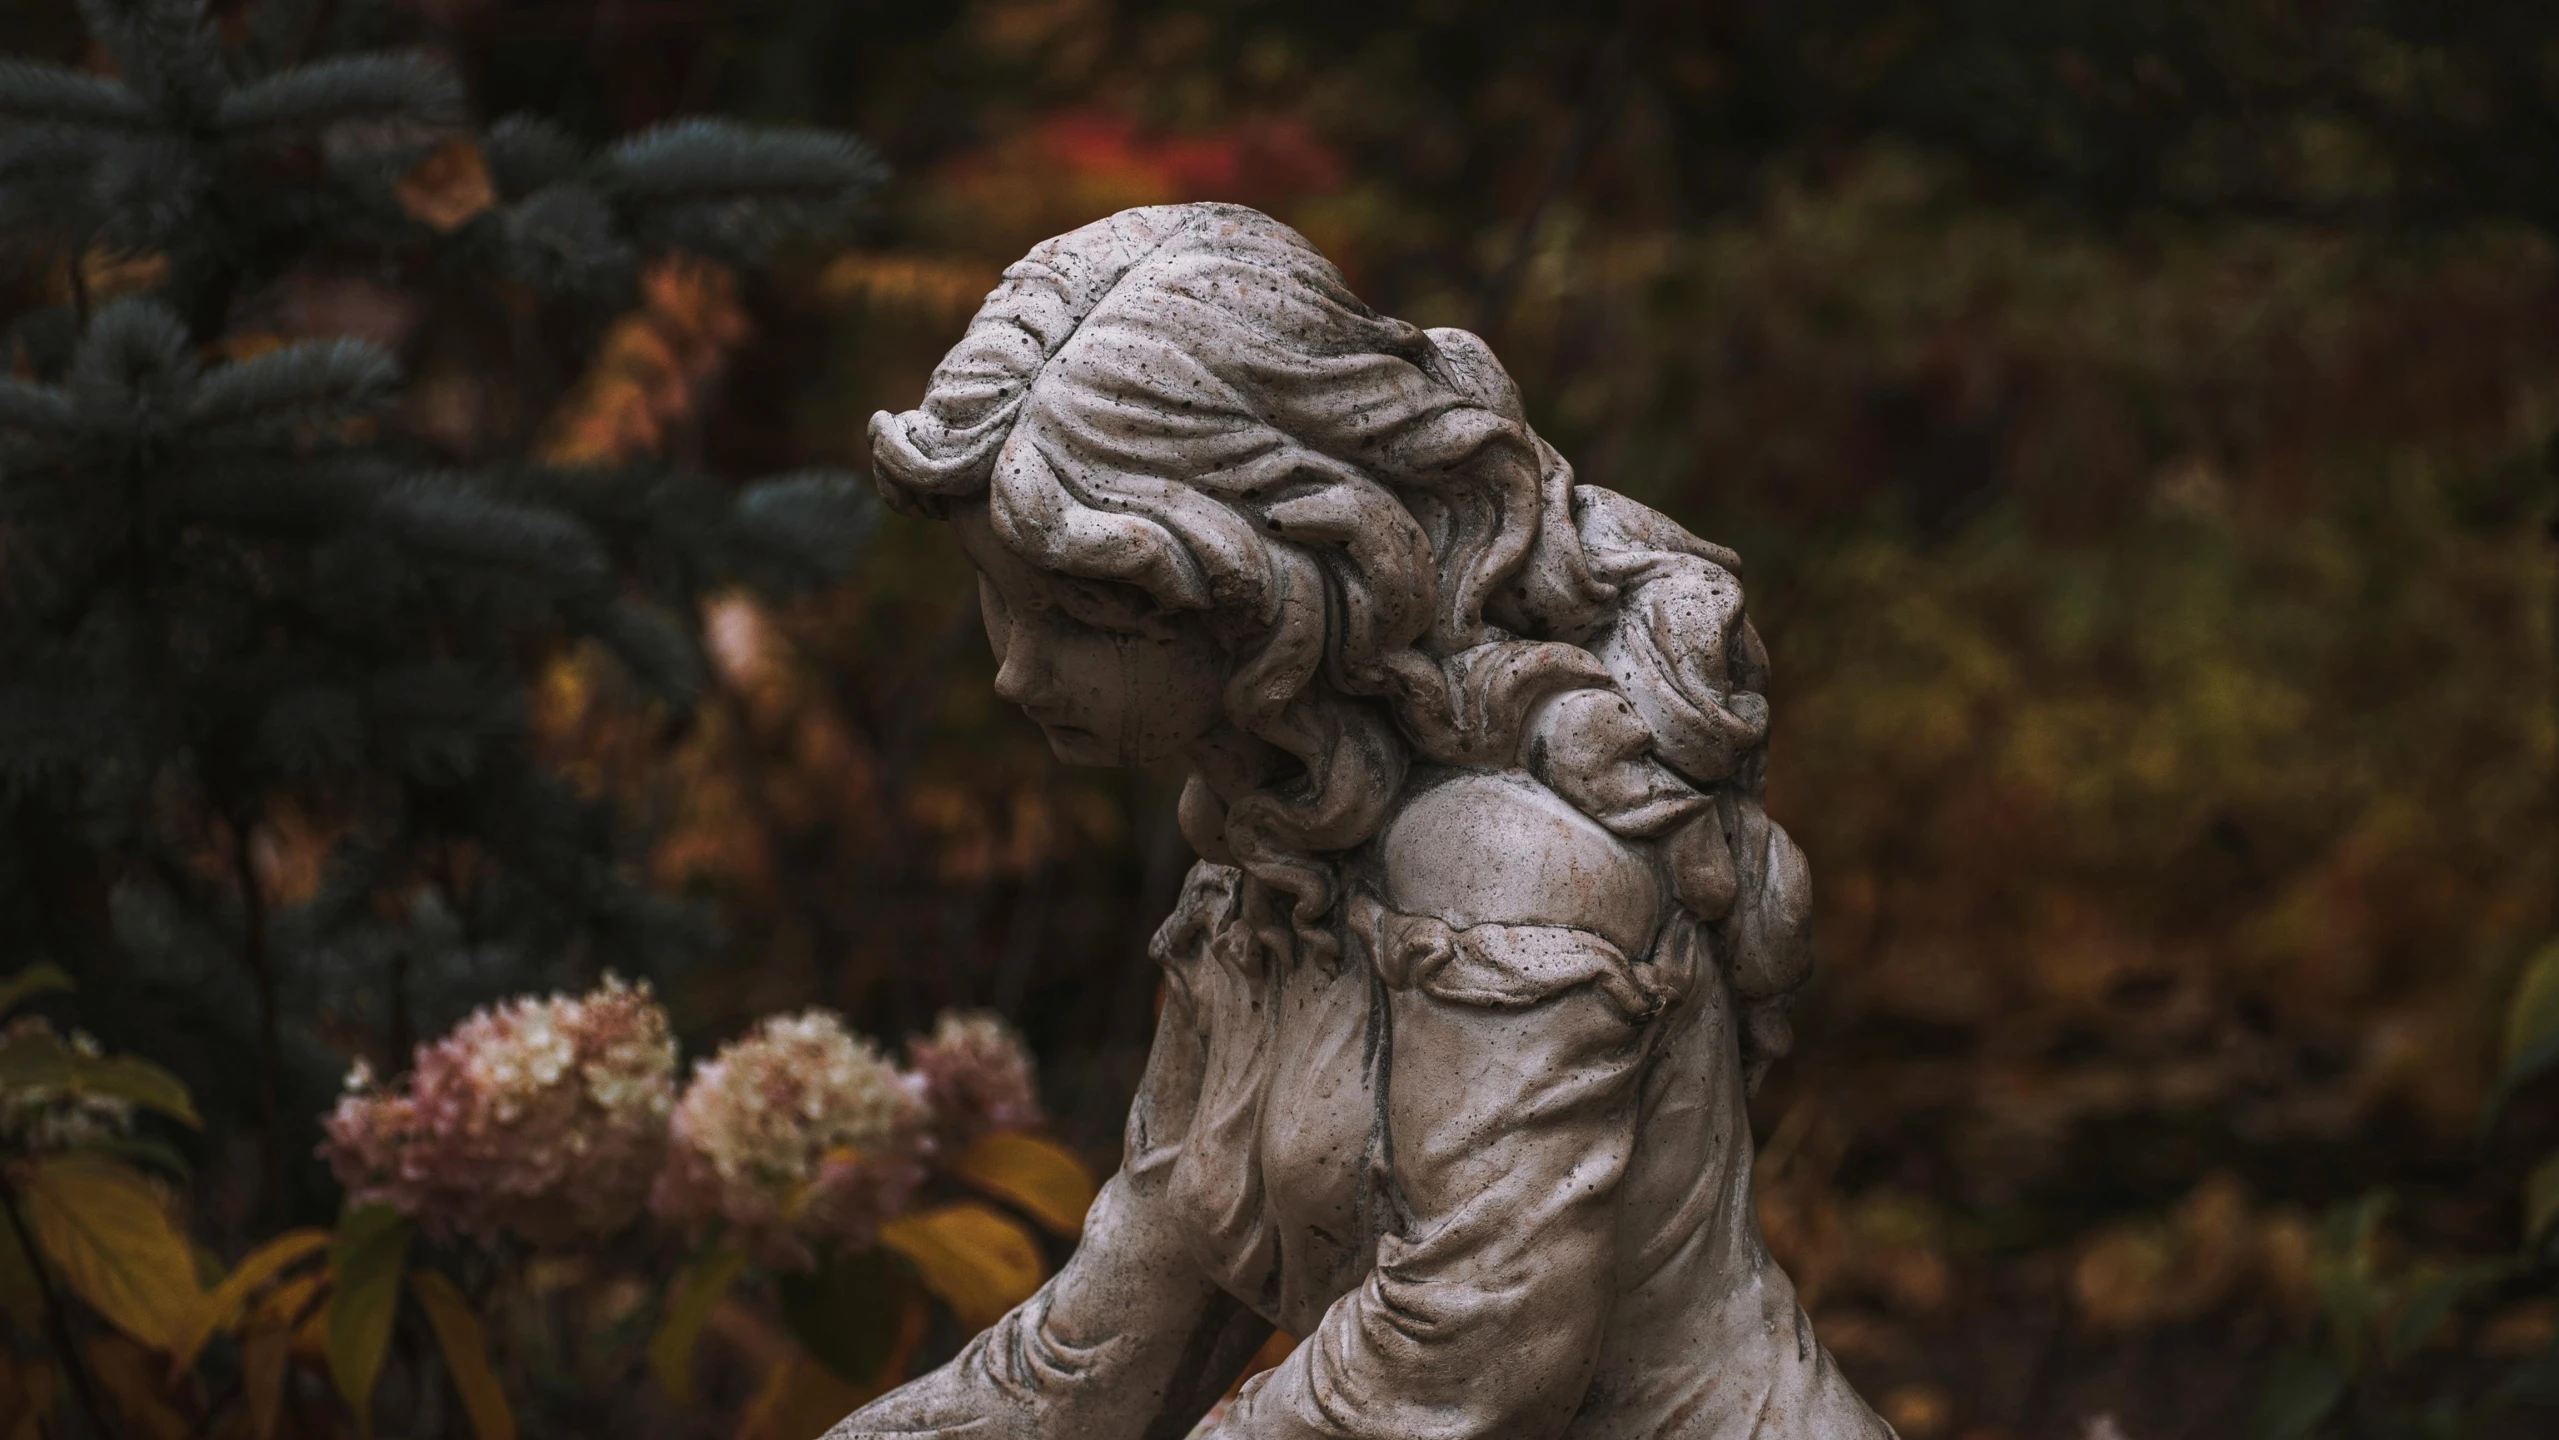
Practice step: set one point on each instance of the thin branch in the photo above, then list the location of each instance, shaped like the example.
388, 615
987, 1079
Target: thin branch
261, 965
1603, 91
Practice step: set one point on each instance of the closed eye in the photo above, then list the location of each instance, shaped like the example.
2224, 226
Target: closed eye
1114, 607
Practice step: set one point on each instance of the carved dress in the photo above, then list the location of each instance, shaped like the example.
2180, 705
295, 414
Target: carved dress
1492, 1161
1487, 1165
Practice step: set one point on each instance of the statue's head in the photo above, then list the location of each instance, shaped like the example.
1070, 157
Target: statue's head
1209, 493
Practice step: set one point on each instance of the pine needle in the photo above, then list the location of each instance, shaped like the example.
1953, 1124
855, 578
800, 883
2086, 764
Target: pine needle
59, 95
388, 85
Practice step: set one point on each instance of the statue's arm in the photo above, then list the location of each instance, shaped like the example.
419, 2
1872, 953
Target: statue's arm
1510, 1130
1129, 1342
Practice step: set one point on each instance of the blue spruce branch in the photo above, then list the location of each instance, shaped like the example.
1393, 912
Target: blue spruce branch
31, 92
382, 86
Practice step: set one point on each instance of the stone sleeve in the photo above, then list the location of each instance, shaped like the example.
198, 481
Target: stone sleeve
1131, 1341
1509, 1131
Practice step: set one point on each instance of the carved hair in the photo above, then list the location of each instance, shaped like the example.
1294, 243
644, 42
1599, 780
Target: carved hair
1189, 399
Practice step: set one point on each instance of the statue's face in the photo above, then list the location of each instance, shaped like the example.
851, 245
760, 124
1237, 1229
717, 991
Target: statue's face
1110, 677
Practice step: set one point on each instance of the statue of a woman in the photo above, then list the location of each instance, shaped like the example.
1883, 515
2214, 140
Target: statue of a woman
1489, 937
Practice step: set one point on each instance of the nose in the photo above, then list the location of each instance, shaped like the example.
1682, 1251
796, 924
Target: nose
1023, 673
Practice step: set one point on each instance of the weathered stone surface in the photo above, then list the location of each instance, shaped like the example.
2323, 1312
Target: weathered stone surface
1490, 936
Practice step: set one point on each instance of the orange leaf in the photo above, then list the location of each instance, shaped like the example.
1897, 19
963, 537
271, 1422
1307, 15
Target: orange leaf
1041, 1176
799, 1400
448, 188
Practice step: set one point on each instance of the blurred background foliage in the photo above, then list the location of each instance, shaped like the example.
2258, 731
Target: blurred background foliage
2136, 421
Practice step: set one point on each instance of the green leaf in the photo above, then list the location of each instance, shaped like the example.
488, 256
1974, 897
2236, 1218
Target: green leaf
2431, 1298
27, 984
2299, 1396
2541, 1200
2532, 1019
845, 1313
365, 1260
2534, 1382
688, 1309
466, 1355
40, 1060
104, 1230
130, 1077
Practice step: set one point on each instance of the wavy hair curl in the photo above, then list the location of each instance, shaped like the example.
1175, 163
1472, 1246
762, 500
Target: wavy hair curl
1188, 398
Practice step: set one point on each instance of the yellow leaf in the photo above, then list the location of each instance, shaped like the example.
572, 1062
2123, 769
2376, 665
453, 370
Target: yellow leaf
311, 1337
262, 1265
263, 1356
1041, 1176
125, 1374
978, 1260
688, 1309
102, 1226
19, 1298
466, 1354
2532, 1018
366, 1257
448, 188
799, 1400
289, 1304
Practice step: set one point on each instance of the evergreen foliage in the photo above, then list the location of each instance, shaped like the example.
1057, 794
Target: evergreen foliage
245, 614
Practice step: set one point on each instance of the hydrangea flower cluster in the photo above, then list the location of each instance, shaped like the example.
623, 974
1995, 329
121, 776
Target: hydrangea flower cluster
558, 1120
977, 1074
797, 1135
544, 1118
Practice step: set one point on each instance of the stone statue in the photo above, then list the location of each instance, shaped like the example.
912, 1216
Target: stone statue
1489, 938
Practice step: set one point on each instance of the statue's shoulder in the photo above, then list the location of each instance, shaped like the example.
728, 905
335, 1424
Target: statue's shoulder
1471, 848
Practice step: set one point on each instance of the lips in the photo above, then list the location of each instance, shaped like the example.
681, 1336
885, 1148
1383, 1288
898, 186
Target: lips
1056, 724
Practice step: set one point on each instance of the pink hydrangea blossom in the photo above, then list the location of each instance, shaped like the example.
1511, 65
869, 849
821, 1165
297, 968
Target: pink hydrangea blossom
978, 1076
544, 1118
797, 1137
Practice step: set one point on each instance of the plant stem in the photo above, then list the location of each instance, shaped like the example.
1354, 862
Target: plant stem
403, 1030
1603, 90
253, 953
75, 1364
